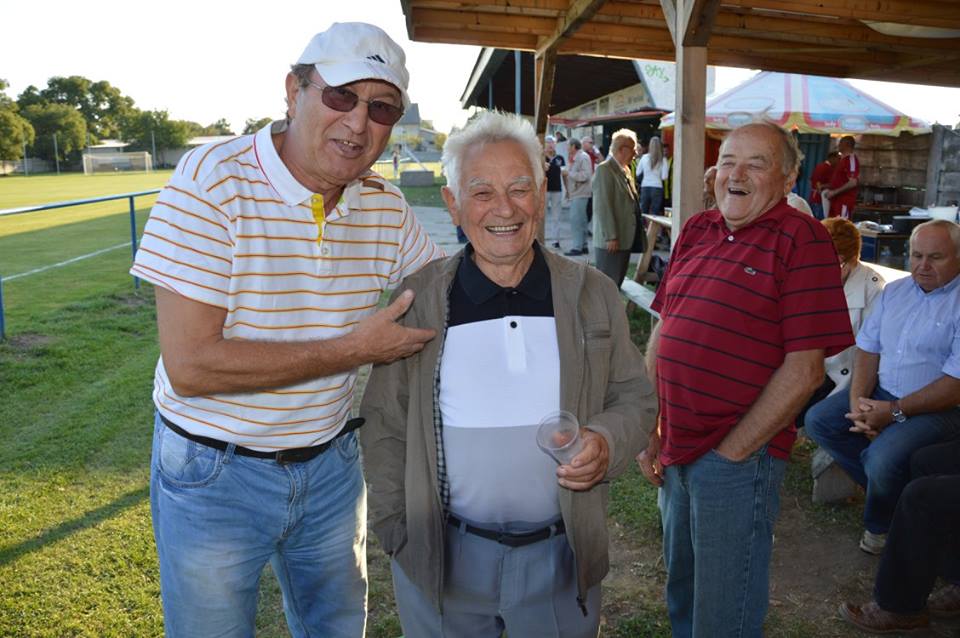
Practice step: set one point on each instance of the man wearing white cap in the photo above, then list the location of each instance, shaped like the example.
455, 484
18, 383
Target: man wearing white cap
269, 253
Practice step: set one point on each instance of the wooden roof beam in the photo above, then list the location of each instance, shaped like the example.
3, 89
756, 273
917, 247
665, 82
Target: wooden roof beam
933, 13
698, 19
579, 13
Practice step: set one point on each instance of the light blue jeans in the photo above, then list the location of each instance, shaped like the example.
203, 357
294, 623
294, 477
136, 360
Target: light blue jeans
218, 518
718, 521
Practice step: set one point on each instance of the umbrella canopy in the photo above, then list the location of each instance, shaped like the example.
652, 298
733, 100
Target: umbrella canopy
807, 104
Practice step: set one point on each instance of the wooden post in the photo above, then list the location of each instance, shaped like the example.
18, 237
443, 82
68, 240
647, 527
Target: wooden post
689, 135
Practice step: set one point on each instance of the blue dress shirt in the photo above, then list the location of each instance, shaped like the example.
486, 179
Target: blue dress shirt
916, 333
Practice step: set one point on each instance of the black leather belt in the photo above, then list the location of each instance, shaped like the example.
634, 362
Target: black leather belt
508, 539
291, 455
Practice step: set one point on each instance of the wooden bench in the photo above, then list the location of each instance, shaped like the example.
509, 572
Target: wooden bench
639, 295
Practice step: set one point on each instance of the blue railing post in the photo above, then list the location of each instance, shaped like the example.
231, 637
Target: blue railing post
133, 238
3, 332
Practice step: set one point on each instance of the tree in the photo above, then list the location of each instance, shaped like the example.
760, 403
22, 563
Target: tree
102, 106
166, 133
14, 130
252, 125
61, 120
220, 127
439, 140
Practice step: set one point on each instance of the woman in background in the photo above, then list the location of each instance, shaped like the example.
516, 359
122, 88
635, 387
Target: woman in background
861, 286
652, 169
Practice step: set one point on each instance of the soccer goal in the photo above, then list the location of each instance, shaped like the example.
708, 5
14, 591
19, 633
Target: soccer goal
114, 162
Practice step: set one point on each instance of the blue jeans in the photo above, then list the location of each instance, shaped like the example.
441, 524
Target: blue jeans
578, 222
883, 465
218, 518
651, 200
817, 209
718, 521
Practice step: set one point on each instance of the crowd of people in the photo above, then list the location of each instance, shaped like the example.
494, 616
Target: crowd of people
269, 254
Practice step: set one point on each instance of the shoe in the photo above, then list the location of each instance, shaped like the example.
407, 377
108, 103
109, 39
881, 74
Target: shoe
945, 602
573, 253
585, 250
556, 244
873, 543
871, 618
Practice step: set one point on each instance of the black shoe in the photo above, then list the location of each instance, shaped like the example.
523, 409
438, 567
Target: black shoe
573, 253
585, 250
556, 244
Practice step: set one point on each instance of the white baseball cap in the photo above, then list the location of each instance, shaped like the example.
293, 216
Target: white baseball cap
352, 51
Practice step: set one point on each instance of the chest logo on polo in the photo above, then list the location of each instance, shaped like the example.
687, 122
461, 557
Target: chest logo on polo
749, 270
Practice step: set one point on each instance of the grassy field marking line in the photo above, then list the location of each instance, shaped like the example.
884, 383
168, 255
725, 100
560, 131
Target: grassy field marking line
64, 263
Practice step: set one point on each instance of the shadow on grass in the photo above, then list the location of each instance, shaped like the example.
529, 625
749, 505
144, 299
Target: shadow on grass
66, 528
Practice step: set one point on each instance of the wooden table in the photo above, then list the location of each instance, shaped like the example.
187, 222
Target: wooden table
658, 223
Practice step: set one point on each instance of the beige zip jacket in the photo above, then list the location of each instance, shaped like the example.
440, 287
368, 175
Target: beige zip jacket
602, 382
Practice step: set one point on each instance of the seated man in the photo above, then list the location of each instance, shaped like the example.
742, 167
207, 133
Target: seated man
483, 535
905, 389
924, 540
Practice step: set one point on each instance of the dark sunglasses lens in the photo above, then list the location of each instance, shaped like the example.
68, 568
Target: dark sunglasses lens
339, 99
384, 113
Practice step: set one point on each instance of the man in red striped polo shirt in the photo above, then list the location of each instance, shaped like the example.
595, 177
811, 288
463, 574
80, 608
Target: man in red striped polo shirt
750, 305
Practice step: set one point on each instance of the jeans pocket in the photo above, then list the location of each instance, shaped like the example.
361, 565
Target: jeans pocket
752, 458
347, 447
184, 463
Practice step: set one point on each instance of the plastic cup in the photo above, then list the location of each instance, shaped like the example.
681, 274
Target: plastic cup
559, 436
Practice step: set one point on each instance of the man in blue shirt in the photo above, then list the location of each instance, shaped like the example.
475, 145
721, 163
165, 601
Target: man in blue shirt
905, 389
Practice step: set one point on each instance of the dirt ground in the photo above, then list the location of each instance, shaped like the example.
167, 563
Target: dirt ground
815, 567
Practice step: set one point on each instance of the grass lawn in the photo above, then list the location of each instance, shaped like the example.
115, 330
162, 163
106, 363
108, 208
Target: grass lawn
76, 547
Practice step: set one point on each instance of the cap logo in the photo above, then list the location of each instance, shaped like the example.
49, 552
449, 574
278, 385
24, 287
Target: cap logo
376, 58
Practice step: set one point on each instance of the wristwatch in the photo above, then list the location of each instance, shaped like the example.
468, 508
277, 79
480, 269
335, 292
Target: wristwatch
898, 415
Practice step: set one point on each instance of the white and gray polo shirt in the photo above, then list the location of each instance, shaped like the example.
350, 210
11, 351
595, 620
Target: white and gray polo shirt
499, 375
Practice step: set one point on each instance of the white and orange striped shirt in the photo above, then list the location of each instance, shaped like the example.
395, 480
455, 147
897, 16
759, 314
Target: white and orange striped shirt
235, 230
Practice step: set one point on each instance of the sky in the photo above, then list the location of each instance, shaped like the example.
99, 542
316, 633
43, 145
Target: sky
209, 59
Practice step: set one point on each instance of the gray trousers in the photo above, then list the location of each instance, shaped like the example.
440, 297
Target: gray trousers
612, 263
529, 591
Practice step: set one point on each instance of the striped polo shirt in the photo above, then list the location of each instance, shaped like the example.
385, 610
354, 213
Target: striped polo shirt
733, 304
234, 229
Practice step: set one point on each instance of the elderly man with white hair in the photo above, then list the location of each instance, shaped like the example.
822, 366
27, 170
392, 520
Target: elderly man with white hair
486, 532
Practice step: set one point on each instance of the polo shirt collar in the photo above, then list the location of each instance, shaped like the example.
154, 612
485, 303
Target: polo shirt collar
288, 188
535, 283
285, 184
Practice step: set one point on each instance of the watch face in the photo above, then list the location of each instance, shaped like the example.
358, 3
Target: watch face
899, 416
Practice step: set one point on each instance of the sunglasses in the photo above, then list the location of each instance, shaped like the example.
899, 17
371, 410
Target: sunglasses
344, 100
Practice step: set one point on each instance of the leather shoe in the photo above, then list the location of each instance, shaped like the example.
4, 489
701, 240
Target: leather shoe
573, 253
945, 602
870, 617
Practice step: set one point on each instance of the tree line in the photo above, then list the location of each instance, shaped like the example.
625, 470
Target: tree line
81, 112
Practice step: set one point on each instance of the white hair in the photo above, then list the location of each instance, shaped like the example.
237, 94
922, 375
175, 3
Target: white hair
791, 156
490, 127
952, 228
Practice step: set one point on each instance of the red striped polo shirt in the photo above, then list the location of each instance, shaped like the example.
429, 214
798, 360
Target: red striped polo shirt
733, 304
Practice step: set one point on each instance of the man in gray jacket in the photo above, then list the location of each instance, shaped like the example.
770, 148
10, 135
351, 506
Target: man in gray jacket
578, 175
485, 531
615, 207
